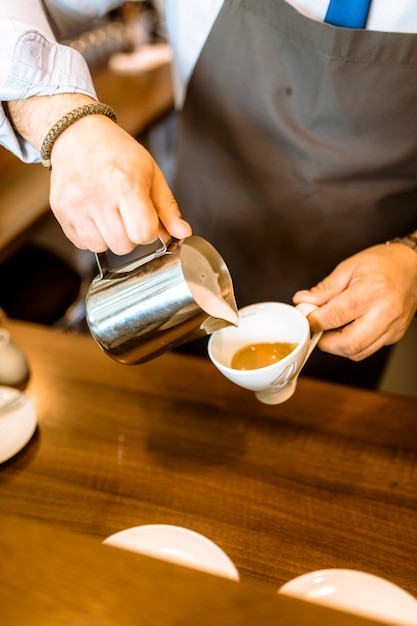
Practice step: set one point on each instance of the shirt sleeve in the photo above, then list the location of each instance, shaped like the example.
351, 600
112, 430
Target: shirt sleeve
33, 63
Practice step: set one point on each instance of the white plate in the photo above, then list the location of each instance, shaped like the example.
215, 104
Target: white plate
178, 545
355, 592
17, 425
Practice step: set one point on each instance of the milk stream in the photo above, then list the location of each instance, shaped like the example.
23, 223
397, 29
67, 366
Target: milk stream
213, 304
203, 283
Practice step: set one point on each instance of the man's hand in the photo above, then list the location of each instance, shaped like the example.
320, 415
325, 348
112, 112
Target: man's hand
367, 302
106, 189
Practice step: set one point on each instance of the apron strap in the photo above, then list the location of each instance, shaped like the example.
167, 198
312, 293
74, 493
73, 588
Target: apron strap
348, 13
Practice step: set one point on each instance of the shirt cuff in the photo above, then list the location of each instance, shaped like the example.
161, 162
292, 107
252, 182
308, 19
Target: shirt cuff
34, 66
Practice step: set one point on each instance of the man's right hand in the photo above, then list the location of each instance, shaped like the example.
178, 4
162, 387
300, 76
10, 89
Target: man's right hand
106, 192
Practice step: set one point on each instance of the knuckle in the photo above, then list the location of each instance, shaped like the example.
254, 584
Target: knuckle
354, 350
143, 234
396, 311
344, 345
337, 318
122, 249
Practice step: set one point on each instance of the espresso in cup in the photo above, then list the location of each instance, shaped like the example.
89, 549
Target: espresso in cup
257, 355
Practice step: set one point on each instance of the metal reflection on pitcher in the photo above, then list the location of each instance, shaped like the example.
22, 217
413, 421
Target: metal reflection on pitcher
179, 293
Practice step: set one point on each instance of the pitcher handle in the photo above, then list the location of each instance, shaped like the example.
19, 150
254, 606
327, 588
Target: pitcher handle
164, 238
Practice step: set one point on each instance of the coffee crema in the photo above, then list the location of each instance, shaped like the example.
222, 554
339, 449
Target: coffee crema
257, 355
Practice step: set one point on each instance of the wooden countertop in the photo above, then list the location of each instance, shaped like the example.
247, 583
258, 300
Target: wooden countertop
52, 577
327, 479
24, 188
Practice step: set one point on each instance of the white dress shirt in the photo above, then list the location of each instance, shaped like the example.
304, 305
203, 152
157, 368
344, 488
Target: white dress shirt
189, 23
33, 63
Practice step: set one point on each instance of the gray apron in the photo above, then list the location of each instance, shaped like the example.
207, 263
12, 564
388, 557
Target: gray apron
298, 148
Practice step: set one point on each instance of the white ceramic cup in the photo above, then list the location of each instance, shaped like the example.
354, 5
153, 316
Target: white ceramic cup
178, 545
355, 592
267, 322
17, 425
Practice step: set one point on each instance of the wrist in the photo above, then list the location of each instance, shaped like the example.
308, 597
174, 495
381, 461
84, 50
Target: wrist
408, 240
33, 117
65, 122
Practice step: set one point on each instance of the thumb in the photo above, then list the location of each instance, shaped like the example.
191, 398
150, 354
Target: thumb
336, 282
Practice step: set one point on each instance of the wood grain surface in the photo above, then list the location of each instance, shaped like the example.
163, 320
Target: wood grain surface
54, 578
327, 479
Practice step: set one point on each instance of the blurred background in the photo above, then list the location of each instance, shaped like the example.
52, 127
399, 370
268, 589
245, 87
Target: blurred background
43, 277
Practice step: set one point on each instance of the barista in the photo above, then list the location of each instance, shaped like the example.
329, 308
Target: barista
297, 155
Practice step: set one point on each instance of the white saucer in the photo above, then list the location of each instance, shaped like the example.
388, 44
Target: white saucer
17, 425
355, 592
177, 545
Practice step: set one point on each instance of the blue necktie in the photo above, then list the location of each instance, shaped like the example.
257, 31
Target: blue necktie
348, 13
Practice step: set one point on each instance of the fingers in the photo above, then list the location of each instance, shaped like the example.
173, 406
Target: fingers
359, 321
329, 287
142, 214
114, 197
367, 302
356, 340
349, 329
139, 218
92, 227
121, 228
350, 304
167, 208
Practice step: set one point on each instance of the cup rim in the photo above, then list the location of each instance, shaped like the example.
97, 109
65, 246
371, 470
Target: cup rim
247, 373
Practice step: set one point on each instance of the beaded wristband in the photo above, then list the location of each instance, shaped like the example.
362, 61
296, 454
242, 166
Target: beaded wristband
66, 121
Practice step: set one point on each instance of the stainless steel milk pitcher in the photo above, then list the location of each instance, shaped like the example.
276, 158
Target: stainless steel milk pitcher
143, 308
